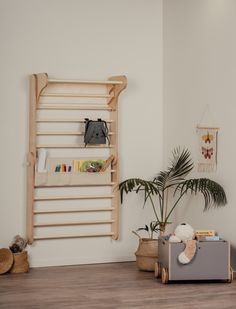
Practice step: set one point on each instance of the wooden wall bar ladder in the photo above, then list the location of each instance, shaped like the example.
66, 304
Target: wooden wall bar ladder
42, 91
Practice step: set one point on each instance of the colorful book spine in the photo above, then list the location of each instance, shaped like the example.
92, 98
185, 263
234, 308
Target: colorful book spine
76, 165
63, 168
212, 238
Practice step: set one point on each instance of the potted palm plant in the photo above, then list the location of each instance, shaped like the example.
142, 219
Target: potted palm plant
166, 190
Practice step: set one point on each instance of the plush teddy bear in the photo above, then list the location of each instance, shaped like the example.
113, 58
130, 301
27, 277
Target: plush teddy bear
18, 244
185, 233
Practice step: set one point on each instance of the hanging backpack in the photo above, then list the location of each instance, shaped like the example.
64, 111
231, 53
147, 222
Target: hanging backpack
96, 132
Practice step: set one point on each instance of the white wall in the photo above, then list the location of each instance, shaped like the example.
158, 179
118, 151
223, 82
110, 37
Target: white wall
80, 39
200, 69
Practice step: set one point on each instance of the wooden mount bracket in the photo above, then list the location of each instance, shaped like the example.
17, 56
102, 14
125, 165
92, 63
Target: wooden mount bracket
114, 161
31, 159
107, 163
115, 237
41, 83
117, 89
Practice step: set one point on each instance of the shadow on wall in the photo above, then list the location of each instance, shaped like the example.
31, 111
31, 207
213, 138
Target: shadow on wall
233, 257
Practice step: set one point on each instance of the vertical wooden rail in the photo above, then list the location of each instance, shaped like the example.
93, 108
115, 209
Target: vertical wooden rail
37, 83
115, 164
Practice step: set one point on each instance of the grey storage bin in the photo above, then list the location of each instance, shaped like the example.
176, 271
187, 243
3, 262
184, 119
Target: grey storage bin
211, 261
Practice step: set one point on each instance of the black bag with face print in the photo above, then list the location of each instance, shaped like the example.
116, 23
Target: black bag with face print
96, 132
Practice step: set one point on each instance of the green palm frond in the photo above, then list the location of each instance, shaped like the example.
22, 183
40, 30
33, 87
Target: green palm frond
156, 191
181, 165
213, 193
136, 185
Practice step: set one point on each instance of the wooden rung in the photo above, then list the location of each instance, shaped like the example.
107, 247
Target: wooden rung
72, 236
59, 133
65, 120
64, 133
73, 107
42, 212
71, 81
79, 185
73, 146
73, 223
76, 95
81, 197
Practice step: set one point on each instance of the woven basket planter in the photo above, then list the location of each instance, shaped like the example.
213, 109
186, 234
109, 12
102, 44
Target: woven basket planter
20, 263
6, 260
146, 255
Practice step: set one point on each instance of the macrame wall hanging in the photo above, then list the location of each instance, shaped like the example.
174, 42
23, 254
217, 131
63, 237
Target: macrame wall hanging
207, 149
207, 146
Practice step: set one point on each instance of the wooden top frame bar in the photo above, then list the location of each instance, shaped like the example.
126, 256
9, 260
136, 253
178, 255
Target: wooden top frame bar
76, 95
94, 82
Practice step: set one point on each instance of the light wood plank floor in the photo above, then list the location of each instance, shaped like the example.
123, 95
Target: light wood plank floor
115, 285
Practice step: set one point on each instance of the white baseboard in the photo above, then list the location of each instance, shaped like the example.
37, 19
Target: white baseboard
78, 261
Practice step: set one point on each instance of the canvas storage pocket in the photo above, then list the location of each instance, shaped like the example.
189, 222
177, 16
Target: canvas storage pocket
66, 176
